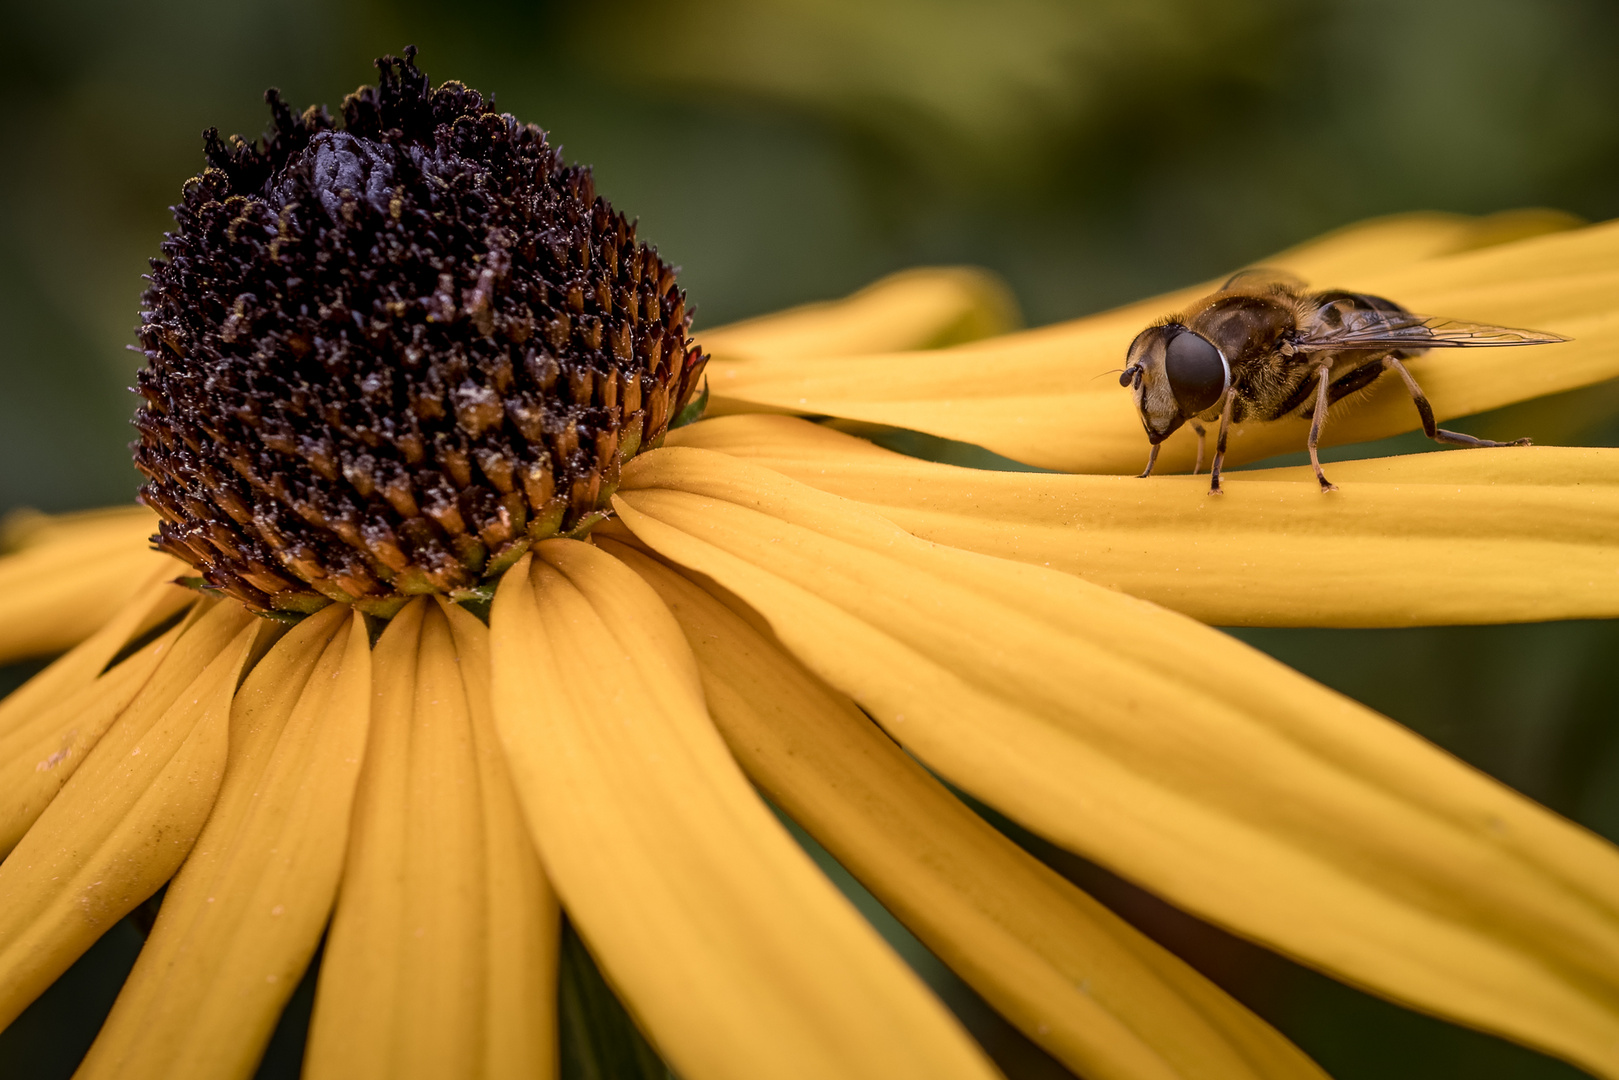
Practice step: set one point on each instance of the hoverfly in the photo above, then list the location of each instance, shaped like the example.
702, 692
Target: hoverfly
1264, 346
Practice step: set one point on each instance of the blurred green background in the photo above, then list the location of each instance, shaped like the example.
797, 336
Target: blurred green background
790, 150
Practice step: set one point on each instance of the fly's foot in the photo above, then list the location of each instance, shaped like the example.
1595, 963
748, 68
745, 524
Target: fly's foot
1456, 438
1327, 485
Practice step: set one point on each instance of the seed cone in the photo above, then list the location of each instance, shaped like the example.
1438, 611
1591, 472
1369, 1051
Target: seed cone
383, 359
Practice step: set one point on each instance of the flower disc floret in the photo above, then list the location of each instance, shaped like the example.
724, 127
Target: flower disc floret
383, 359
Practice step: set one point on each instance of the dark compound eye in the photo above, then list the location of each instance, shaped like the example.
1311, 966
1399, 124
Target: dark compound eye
1197, 373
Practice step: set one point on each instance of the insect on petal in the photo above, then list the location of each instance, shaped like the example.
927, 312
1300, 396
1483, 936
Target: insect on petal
1489, 536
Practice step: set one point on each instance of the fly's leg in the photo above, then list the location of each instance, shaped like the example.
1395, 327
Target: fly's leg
1152, 459
1202, 434
1425, 410
1219, 443
1324, 374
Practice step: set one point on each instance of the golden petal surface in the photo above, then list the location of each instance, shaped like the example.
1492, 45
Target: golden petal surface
49, 723
126, 820
442, 890
241, 919
63, 576
731, 950
1186, 761
1044, 397
1096, 993
925, 308
1517, 534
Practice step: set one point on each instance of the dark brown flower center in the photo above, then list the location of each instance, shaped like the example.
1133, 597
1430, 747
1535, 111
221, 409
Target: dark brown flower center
383, 360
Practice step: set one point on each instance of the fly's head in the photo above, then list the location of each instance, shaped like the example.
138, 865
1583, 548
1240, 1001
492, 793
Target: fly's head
1174, 374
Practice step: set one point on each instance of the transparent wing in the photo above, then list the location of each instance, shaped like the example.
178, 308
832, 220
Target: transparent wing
1404, 330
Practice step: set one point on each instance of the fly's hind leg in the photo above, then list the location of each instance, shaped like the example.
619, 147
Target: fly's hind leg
1219, 443
1152, 459
1202, 434
1425, 410
1324, 375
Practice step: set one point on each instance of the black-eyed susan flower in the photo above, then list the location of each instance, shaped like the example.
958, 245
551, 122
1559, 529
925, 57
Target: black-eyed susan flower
403, 366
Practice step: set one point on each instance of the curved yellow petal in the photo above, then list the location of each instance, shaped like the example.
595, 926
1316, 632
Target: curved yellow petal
154, 603
51, 721
1043, 397
244, 914
926, 308
62, 577
736, 956
125, 822
441, 882
523, 914
42, 748
1486, 536
1185, 760
827, 330
1096, 993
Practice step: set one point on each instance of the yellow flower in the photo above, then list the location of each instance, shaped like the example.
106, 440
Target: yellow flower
781, 603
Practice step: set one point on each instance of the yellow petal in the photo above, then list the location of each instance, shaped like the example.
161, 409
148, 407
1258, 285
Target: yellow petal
915, 309
827, 330
1043, 396
1509, 535
1185, 760
735, 955
440, 884
63, 577
1096, 993
154, 603
126, 820
522, 941
42, 747
244, 914
23, 529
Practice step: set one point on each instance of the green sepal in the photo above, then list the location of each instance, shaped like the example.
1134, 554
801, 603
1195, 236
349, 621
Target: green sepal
582, 528
197, 584
694, 409
630, 441
474, 595
507, 557
413, 581
330, 591
547, 519
471, 551
384, 609
299, 603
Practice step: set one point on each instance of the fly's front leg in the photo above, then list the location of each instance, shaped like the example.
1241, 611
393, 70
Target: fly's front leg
1425, 410
1152, 459
1324, 375
1202, 434
1219, 443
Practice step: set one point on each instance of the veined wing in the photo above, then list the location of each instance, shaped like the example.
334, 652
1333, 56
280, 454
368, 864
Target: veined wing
1405, 330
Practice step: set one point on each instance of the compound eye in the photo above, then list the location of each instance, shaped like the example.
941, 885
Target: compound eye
1196, 371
